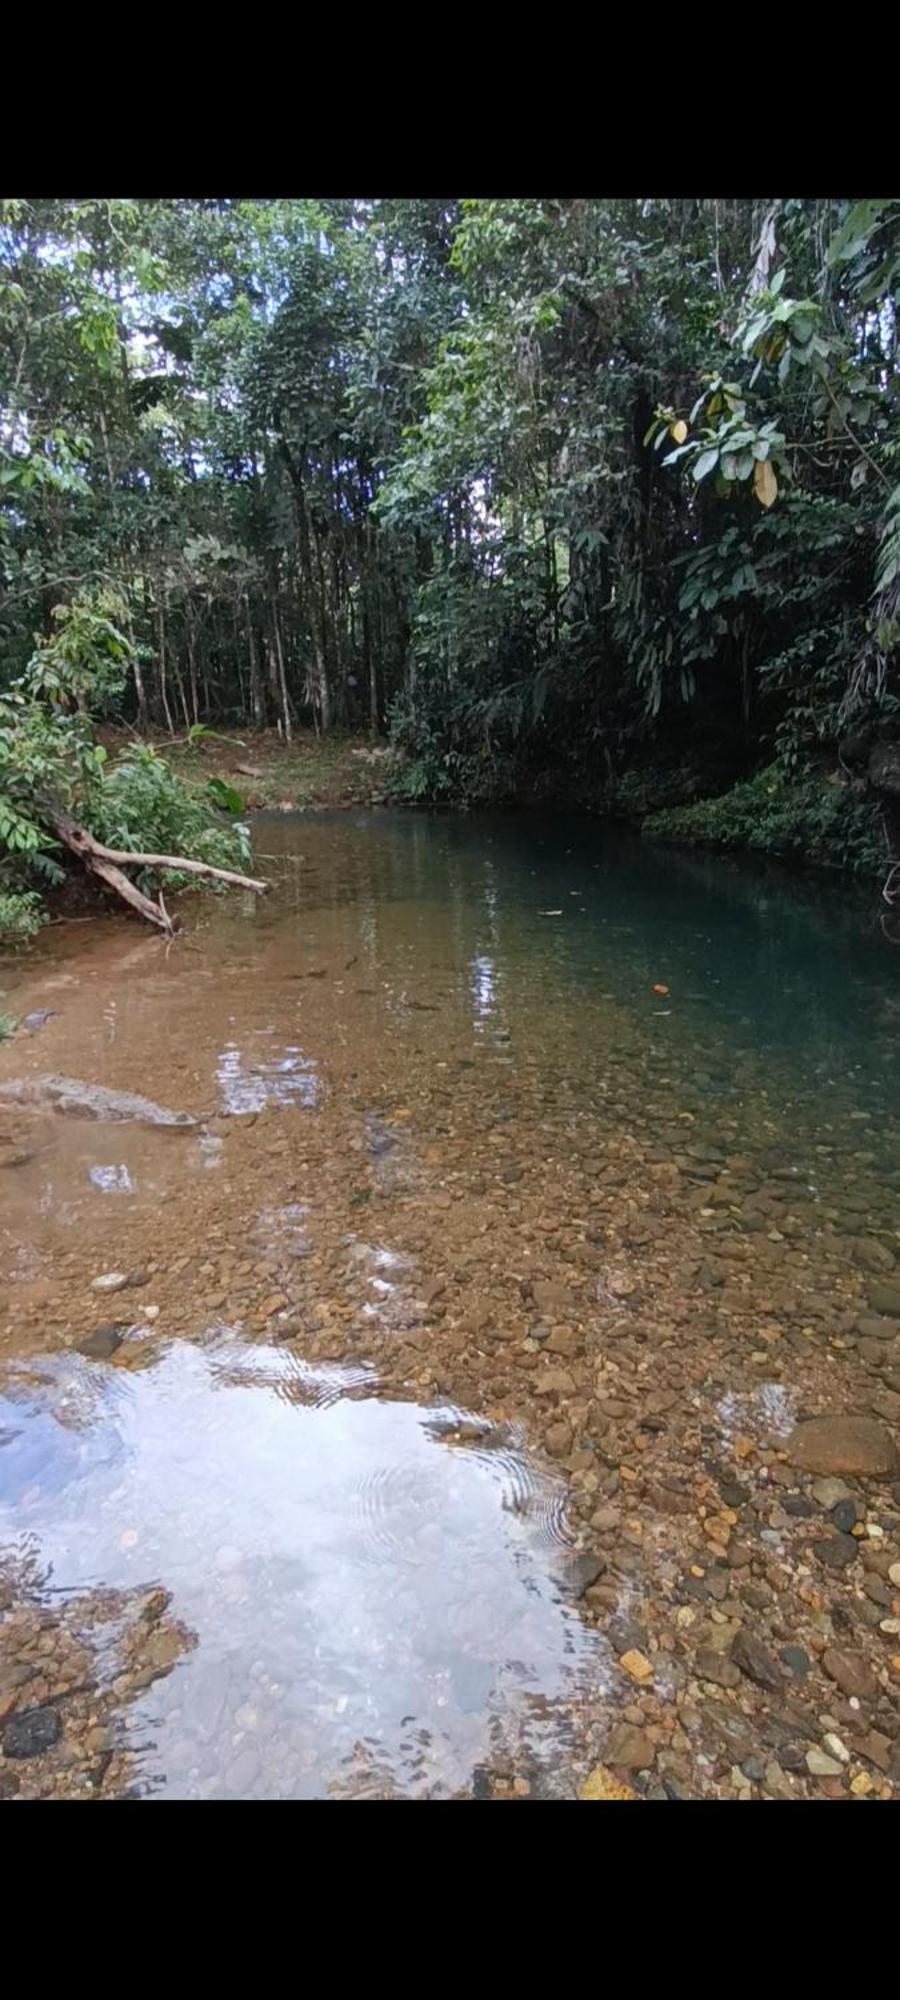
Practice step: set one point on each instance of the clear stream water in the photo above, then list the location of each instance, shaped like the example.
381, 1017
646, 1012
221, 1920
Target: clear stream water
373, 1584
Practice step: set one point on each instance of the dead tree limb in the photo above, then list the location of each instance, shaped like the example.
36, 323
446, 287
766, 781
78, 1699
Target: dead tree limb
107, 863
114, 878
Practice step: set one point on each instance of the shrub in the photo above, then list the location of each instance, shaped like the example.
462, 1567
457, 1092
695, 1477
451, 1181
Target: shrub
21, 915
809, 819
141, 804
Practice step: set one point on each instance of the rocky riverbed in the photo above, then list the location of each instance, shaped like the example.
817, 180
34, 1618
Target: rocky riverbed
638, 1262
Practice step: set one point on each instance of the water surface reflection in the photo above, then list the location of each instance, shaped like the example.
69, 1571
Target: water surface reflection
373, 1600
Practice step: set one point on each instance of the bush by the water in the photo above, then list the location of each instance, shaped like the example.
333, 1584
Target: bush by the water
812, 819
141, 805
50, 764
22, 915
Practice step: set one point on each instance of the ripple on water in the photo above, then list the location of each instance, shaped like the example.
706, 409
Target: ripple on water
313, 1384
527, 1490
371, 1586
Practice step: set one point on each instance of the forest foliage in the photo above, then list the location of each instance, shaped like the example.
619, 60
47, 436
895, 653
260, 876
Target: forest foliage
592, 498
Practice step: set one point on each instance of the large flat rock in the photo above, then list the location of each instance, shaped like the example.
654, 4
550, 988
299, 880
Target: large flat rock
835, 1445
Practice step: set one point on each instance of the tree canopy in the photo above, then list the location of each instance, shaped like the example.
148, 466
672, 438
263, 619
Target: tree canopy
596, 495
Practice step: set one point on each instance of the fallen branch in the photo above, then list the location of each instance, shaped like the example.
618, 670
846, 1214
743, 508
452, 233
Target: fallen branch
114, 878
108, 862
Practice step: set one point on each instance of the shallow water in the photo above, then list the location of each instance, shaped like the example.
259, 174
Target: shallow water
431, 1070
367, 1597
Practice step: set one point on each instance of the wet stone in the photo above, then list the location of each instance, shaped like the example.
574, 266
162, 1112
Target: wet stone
102, 1343
796, 1660
754, 1660
821, 1764
837, 1551
730, 1730
710, 1666
850, 1672
873, 1327
581, 1571
884, 1297
841, 1444
31, 1733
828, 1492
630, 1748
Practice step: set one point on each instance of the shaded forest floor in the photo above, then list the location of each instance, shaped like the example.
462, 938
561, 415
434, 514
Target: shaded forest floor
338, 770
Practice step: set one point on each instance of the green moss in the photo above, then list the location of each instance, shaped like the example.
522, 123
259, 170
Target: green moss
805, 819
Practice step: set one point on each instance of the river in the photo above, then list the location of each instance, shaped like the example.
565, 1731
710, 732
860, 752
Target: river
429, 1432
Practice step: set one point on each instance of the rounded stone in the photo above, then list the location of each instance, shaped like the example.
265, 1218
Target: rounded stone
32, 1733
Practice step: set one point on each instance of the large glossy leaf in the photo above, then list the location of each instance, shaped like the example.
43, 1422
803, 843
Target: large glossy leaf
706, 463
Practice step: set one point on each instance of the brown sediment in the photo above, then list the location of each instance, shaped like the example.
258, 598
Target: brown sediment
516, 1199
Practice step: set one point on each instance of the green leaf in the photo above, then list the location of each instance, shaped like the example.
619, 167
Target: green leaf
226, 796
856, 230
705, 463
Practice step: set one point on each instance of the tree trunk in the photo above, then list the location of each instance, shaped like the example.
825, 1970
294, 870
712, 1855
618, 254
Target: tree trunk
139, 688
179, 683
192, 661
257, 697
282, 680
161, 644
322, 694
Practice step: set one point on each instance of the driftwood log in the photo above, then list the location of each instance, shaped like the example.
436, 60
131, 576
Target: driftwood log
107, 863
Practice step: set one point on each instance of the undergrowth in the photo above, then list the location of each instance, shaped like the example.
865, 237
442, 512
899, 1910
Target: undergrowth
21, 916
808, 819
142, 805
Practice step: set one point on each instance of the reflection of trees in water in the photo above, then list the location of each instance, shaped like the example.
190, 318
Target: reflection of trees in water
787, 927
24, 1573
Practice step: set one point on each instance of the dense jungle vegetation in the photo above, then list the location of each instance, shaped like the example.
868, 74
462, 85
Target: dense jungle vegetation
588, 499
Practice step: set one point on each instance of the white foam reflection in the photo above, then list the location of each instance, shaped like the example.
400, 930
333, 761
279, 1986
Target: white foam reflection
112, 1180
287, 1077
